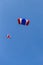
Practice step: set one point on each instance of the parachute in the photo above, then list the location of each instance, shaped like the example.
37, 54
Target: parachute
23, 21
8, 36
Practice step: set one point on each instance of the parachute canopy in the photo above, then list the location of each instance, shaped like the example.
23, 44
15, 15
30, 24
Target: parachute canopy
8, 36
23, 21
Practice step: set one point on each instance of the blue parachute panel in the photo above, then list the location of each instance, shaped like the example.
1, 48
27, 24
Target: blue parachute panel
23, 21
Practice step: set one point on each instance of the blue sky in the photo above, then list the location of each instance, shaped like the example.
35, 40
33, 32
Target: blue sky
26, 45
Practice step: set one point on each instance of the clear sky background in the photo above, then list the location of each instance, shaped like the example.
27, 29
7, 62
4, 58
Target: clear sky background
26, 44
